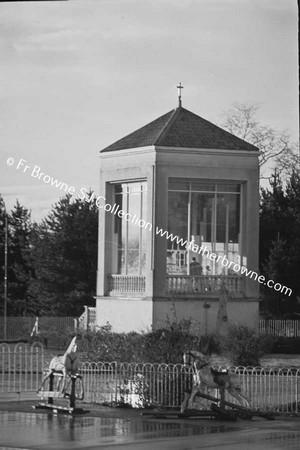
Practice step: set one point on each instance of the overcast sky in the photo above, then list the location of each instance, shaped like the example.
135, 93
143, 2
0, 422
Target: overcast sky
78, 75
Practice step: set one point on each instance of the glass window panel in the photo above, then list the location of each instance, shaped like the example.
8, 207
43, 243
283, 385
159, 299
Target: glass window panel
134, 206
134, 187
129, 242
177, 185
143, 231
123, 238
228, 187
228, 217
202, 229
178, 226
178, 213
118, 200
203, 187
201, 216
214, 219
228, 229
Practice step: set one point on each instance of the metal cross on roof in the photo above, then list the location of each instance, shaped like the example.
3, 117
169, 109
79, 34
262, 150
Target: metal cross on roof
179, 87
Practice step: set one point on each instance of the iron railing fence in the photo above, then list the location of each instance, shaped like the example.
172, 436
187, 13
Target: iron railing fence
267, 389
17, 328
271, 389
24, 327
142, 385
139, 385
277, 327
21, 367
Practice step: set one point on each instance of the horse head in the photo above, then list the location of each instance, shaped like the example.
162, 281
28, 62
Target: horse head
192, 357
72, 348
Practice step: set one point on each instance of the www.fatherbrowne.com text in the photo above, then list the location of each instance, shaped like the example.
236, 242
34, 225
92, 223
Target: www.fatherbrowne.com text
84, 194
191, 246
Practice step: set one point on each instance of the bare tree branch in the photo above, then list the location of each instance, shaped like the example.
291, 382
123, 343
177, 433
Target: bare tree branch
277, 151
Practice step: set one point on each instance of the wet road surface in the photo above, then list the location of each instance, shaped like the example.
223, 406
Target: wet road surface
105, 428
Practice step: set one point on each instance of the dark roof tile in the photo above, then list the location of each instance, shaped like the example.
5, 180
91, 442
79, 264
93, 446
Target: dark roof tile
181, 128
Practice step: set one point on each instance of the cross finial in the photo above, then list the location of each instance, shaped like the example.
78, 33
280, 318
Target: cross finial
179, 87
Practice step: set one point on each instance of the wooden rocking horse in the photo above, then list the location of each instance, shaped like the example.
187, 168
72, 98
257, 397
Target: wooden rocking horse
205, 376
66, 365
63, 368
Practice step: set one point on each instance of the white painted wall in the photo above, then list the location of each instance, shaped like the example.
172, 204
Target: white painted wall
124, 314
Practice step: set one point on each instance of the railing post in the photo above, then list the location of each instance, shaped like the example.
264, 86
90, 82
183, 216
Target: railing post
202, 284
296, 393
126, 284
86, 317
88, 314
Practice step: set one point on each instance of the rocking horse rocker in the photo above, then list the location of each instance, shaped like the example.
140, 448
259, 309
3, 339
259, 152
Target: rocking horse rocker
224, 381
63, 381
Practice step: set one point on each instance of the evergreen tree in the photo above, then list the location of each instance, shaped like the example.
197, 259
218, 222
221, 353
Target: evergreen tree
274, 223
2, 246
65, 258
19, 265
280, 245
20, 269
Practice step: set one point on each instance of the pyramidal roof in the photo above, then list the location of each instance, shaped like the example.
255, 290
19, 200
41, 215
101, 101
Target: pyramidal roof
181, 128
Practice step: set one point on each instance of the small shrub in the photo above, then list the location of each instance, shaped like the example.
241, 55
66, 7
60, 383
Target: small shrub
161, 346
166, 346
53, 338
244, 346
208, 344
105, 345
